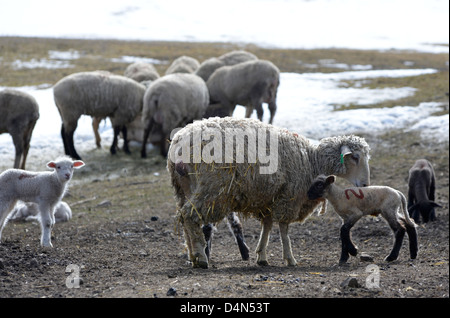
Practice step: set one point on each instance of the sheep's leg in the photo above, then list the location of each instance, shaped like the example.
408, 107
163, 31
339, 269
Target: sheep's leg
261, 249
248, 111
195, 238
113, 148
147, 131
67, 137
399, 233
235, 227
273, 110
259, 111
126, 149
26, 143
286, 242
19, 146
208, 233
47, 220
95, 125
347, 245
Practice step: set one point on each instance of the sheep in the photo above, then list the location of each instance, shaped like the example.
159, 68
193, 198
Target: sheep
170, 102
183, 64
353, 203
249, 84
45, 188
20, 112
141, 71
209, 185
421, 191
208, 66
145, 74
98, 94
26, 211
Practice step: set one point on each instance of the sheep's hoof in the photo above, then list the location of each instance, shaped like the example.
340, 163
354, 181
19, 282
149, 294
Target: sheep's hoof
353, 251
263, 263
390, 258
200, 264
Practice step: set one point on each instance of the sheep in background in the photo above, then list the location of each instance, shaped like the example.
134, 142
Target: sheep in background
183, 64
46, 189
141, 71
421, 191
249, 84
208, 66
170, 102
20, 112
353, 203
271, 187
28, 211
98, 94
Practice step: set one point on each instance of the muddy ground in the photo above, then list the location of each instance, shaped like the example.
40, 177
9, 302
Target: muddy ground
123, 240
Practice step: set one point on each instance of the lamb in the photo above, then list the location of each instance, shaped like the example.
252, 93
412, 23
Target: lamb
353, 203
46, 189
20, 112
272, 187
98, 94
183, 64
170, 102
25, 211
421, 191
249, 84
208, 66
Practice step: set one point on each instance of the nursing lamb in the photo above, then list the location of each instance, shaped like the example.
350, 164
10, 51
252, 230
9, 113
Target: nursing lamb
265, 173
353, 203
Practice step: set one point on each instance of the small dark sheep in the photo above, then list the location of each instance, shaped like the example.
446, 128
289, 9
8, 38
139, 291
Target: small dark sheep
421, 191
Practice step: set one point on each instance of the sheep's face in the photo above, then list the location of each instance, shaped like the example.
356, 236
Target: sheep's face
64, 167
319, 186
357, 168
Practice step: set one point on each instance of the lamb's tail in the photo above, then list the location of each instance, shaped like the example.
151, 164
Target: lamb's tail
408, 220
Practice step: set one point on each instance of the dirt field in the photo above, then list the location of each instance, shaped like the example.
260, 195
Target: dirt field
123, 241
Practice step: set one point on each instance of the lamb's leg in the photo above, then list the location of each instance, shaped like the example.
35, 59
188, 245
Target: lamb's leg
113, 148
5, 209
147, 131
399, 233
235, 227
286, 242
47, 220
347, 245
261, 249
259, 111
194, 237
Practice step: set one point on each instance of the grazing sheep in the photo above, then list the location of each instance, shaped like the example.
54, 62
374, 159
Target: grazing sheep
212, 176
353, 203
98, 94
170, 102
25, 211
183, 64
208, 66
20, 113
421, 191
46, 189
141, 71
249, 84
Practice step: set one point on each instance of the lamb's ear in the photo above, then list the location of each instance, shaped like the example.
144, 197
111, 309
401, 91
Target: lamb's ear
78, 164
51, 165
345, 150
330, 179
434, 204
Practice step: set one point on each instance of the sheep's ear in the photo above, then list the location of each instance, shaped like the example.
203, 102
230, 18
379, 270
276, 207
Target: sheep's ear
345, 150
51, 165
434, 204
78, 164
330, 179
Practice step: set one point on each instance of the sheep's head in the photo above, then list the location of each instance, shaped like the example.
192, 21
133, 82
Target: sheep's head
348, 158
64, 167
425, 209
319, 186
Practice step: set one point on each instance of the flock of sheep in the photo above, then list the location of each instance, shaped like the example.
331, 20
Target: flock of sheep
192, 99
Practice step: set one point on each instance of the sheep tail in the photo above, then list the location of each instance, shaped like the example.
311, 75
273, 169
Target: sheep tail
405, 211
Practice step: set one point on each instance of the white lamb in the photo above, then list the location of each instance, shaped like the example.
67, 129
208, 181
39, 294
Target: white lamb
353, 203
46, 189
29, 211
